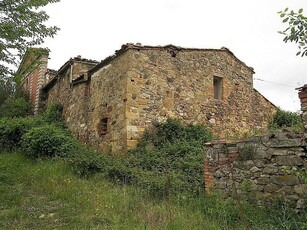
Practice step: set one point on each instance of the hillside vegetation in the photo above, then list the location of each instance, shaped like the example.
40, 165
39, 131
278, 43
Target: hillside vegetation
48, 180
48, 195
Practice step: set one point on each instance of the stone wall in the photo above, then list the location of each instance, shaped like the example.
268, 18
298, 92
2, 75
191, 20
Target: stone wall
264, 167
303, 98
107, 103
72, 94
174, 83
109, 106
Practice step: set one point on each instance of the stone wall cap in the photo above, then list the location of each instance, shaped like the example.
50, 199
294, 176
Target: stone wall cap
277, 139
218, 142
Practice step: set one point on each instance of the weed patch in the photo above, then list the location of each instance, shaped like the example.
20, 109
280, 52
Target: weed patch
12, 130
48, 141
286, 119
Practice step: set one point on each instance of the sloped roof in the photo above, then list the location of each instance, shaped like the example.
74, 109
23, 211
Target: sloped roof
64, 67
139, 46
29, 58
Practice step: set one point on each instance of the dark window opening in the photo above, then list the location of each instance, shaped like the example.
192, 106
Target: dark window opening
103, 126
27, 83
218, 87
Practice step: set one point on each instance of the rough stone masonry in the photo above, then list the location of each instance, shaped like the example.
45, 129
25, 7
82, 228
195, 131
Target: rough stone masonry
303, 98
109, 104
262, 168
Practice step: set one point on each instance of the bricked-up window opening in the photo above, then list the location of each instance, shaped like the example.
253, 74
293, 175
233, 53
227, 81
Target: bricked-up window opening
218, 87
103, 127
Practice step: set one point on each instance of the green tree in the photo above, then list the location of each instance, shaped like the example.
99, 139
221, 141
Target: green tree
21, 26
15, 107
6, 90
296, 30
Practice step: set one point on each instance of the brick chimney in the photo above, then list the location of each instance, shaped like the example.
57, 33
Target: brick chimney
303, 97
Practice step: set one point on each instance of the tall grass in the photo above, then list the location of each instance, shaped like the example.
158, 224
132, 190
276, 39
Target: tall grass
47, 194
159, 185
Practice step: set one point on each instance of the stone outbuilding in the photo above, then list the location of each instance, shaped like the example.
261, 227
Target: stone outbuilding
109, 104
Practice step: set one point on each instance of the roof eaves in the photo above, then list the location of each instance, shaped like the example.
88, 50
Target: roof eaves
64, 67
243, 63
55, 78
139, 46
30, 50
170, 46
84, 60
104, 62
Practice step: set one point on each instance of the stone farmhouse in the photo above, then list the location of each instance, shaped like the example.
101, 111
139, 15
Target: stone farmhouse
109, 104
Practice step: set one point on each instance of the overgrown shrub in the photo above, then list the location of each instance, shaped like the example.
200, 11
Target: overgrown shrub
86, 161
170, 169
173, 131
54, 113
16, 107
167, 161
283, 119
48, 141
12, 130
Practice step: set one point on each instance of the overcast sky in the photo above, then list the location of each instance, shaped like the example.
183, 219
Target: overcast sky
94, 29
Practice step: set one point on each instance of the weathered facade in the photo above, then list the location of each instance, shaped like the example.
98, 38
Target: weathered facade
33, 69
110, 104
262, 168
69, 88
303, 98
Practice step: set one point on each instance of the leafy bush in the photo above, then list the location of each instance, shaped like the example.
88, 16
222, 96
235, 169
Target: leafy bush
284, 119
16, 107
171, 169
54, 113
168, 160
6, 89
86, 161
173, 131
48, 141
12, 130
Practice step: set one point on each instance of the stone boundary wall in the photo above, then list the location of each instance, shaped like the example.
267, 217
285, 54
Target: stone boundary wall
264, 167
303, 98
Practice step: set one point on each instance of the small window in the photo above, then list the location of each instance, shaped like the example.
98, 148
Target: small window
103, 127
218, 87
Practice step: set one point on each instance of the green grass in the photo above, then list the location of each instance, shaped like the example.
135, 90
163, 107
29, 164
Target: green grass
46, 194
